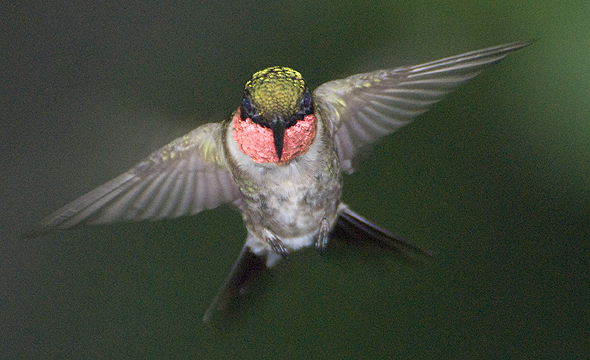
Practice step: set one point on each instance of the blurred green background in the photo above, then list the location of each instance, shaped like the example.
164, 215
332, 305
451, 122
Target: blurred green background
495, 180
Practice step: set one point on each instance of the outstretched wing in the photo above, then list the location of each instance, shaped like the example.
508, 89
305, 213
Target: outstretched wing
367, 106
182, 178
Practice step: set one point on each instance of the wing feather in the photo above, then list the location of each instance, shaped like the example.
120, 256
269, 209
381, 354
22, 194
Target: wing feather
182, 178
365, 107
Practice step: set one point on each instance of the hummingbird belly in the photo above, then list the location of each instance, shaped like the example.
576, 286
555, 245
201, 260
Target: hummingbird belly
291, 212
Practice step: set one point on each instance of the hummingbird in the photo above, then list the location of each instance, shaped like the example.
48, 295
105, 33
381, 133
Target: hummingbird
279, 158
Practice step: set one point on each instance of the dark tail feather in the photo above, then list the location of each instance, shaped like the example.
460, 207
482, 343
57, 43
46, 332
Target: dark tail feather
352, 225
247, 269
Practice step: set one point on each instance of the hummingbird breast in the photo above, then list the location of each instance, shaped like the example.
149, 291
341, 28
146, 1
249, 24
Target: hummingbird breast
289, 200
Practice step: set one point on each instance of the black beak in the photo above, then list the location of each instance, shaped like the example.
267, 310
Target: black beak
278, 132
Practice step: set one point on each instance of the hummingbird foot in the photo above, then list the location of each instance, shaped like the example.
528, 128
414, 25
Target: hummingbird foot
323, 236
276, 244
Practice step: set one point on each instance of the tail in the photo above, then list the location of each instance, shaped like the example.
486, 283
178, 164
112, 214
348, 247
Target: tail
249, 268
352, 226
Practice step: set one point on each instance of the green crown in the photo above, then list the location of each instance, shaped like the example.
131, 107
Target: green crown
276, 90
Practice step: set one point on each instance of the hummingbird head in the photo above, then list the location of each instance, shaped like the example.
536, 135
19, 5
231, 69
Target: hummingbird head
276, 120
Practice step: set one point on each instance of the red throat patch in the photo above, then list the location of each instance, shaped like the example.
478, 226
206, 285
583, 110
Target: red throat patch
257, 141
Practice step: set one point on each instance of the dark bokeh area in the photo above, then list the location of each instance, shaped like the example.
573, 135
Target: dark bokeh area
495, 180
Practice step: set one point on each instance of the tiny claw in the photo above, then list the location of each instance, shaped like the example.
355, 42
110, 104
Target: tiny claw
277, 246
322, 240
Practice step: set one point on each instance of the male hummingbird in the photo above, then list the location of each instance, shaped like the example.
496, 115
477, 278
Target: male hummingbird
279, 158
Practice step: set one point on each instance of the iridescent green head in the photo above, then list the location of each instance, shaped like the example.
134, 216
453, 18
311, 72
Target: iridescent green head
276, 98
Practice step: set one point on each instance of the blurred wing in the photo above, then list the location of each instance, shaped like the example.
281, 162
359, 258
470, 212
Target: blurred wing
365, 107
182, 178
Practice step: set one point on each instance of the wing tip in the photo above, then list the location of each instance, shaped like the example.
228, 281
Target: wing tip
35, 232
43, 227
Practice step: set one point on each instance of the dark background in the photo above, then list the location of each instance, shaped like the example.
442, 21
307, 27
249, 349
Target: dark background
495, 180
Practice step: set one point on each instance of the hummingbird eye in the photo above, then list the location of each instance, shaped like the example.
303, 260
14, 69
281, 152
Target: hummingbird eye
247, 106
306, 99
250, 112
306, 106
